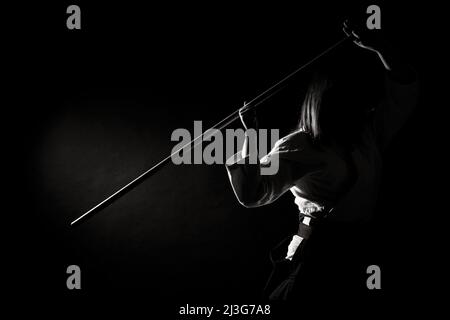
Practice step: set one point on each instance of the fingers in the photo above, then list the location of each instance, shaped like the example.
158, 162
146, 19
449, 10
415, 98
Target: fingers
247, 114
349, 30
241, 110
352, 32
346, 29
245, 108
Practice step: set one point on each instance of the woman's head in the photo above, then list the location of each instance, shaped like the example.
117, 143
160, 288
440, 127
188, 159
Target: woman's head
333, 109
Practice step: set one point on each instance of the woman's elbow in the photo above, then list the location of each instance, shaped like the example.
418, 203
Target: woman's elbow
250, 199
250, 204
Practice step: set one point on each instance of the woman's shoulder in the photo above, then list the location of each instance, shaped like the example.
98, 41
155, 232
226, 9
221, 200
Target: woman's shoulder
298, 147
294, 146
296, 140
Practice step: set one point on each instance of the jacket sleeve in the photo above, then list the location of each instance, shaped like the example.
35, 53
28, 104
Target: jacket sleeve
254, 189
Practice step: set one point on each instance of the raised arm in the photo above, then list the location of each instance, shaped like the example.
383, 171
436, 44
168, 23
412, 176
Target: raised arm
401, 83
289, 159
253, 189
375, 42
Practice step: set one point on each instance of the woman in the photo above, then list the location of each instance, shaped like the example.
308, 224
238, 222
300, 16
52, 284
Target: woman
331, 163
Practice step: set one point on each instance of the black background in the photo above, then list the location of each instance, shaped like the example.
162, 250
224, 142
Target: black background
98, 106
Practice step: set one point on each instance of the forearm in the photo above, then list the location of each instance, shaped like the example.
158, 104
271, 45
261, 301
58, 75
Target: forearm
258, 182
386, 59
